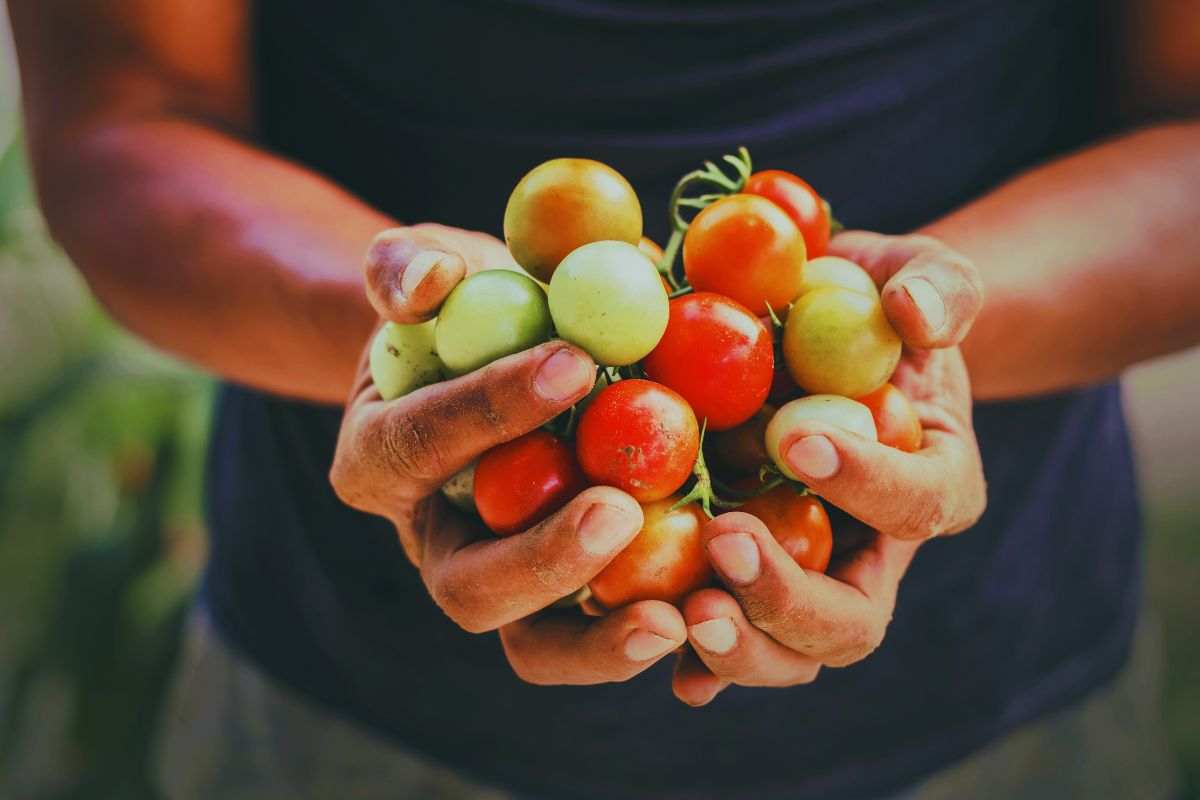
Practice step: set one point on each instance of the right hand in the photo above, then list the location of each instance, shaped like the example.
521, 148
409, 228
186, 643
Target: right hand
392, 458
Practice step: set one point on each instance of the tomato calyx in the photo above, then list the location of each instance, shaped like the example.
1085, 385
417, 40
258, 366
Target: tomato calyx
703, 489
835, 224
714, 176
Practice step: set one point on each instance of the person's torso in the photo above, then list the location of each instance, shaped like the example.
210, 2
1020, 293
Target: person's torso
896, 112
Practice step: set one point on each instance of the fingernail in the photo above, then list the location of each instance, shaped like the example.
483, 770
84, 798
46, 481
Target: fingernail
417, 269
644, 645
563, 375
715, 635
928, 301
813, 456
736, 556
604, 528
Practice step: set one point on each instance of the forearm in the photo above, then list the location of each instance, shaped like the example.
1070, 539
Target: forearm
215, 250
1091, 263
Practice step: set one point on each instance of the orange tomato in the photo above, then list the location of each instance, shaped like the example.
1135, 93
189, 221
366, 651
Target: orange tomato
665, 561
798, 522
895, 419
748, 249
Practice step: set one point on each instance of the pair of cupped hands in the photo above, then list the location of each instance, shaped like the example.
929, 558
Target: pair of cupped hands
772, 623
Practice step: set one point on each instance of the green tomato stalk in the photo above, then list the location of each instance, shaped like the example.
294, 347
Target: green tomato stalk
712, 175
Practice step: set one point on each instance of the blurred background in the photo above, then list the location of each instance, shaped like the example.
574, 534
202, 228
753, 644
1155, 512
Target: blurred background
101, 537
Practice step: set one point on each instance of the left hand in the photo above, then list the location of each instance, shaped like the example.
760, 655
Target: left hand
777, 624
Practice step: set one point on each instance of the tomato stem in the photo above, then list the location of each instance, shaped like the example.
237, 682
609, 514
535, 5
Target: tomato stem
712, 175
835, 225
702, 490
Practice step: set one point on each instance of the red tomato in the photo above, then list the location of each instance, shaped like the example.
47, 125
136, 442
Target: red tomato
800, 201
655, 253
520, 483
746, 248
640, 437
717, 355
798, 522
665, 561
895, 419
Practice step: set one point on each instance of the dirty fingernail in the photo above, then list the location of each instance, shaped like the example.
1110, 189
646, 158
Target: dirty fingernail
736, 556
417, 269
644, 645
813, 456
928, 301
715, 635
604, 528
563, 375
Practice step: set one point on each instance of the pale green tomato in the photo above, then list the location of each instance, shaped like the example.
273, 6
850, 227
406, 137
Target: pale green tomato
831, 409
826, 271
403, 358
460, 489
837, 341
608, 298
490, 315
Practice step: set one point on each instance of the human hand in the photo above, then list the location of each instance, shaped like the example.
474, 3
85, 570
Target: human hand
392, 457
776, 624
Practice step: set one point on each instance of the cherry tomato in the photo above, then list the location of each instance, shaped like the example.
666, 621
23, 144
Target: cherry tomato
895, 419
490, 315
665, 561
563, 204
836, 341
520, 483
403, 358
740, 451
746, 248
798, 522
831, 409
717, 355
607, 298
800, 201
640, 437
820, 273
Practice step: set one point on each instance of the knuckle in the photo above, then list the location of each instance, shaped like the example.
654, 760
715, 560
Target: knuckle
863, 637
806, 675
408, 443
454, 600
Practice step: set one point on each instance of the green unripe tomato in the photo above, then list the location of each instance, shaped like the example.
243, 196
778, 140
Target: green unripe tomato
838, 341
831, 409
826, 271
403, 358
563, 204
608, 298
490, 315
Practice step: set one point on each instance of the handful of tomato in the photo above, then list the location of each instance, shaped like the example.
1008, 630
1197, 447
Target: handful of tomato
757, 313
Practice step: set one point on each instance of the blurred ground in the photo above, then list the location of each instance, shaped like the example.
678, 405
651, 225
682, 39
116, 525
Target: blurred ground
101, 442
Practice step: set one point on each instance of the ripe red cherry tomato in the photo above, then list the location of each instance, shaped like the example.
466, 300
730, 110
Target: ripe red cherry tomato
746, 248
800, 201
520, 483
717, 355
640, 437
665, 561
895, 419
798, 522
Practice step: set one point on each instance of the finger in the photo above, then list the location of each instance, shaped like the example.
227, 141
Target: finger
406, 282
570, 649
930, 293
483, 582
692, 682
736, 651
937, 490
427, 436
836, 619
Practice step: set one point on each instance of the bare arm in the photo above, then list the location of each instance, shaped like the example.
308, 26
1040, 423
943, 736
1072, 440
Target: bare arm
1092, 263
138, 114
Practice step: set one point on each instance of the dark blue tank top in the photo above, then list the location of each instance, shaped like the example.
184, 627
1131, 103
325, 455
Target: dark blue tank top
897, 112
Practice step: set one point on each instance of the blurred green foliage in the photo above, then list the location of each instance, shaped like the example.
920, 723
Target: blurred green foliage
101, 448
